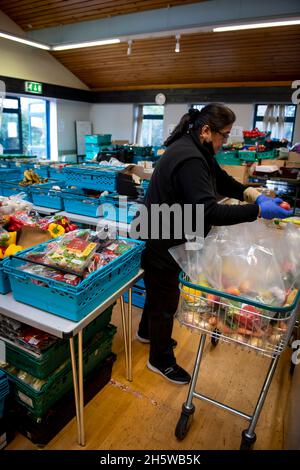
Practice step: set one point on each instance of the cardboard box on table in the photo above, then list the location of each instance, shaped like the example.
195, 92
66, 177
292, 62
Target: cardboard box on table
238, 172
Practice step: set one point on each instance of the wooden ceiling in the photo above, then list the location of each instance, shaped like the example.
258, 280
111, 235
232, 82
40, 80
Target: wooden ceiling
255, 57
262, 55
38, 14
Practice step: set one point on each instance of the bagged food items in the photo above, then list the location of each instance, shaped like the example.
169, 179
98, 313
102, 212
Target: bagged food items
246, 260
50, 273
73, 251
11, 205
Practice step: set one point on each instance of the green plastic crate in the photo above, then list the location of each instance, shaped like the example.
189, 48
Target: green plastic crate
267, 154
247, 155
102, 139
42, 366
228, 158
39, 399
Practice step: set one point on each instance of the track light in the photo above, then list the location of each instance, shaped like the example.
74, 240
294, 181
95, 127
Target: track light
256, 25
129, 47
12, 37
177, 46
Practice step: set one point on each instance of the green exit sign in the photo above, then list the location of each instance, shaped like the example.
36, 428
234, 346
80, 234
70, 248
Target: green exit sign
34, 87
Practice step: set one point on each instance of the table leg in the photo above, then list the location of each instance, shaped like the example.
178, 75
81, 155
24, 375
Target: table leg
124, 326
81, 395
76, 392
129, 376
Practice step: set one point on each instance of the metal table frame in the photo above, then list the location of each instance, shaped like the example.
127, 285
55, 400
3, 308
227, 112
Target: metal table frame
63, 328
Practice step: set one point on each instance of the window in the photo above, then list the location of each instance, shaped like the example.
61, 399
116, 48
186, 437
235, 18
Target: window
11, 133
25, 128
277, 118
35, 129
149, 129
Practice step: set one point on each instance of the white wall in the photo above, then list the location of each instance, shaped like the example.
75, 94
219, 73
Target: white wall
244, 114
25, 62
173, 114
67, 113
115, 119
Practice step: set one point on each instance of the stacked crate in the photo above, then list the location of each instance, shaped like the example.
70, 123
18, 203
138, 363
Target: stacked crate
42, 384
94, 144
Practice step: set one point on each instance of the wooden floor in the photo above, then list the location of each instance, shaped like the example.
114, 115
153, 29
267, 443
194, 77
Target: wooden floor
143, 414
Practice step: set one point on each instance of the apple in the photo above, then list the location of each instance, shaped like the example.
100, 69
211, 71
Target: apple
285, 205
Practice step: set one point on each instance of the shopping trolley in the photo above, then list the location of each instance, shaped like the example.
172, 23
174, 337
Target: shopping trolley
252, 325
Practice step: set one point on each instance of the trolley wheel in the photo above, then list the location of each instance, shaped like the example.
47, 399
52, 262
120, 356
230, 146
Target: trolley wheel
184, 422
247, 442
215, 339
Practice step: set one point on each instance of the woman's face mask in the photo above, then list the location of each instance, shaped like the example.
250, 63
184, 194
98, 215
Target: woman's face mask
209, 146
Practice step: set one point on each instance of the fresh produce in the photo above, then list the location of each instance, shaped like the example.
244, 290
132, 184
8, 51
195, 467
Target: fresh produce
12, 249
248, 317
56, 230
254, 133
285, 205
30, 178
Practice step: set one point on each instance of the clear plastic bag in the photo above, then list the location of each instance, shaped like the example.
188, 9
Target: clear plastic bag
240, 260
73, 251
189, 257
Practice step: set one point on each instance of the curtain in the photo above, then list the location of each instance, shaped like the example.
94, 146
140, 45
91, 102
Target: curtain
274, 120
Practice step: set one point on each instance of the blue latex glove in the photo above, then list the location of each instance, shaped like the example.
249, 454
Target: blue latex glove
263, 198
270, 209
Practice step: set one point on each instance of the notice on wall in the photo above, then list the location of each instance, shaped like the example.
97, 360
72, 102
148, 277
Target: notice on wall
83, 128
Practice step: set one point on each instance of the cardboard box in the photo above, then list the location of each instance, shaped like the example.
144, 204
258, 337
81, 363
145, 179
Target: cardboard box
294, 157
278, 163
120, 142
138, 170
30, 236
292, 165
240, 173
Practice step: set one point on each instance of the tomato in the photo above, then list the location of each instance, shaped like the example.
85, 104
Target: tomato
285, 205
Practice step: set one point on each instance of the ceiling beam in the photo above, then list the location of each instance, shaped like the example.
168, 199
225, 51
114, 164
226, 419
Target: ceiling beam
189, 18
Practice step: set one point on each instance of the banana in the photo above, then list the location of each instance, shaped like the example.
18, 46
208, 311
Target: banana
27, 175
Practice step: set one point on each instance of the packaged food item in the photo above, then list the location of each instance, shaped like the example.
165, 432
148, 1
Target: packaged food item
50, 273
73, 251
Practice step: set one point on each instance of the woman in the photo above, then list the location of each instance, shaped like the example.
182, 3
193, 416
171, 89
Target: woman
189, 174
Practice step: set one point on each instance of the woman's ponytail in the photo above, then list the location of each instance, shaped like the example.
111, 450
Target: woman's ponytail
216, 115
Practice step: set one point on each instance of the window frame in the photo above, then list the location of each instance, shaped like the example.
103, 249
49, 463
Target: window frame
18, 112
148, 116
47, 117
257, 118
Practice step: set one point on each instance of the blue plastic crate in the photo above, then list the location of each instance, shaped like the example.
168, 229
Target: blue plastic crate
47, 197
138, 297
73, 302
7, 174
99, 178
12, 188
41, 170
4, 280
140, 283
117, 210
81, 204
57, 173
